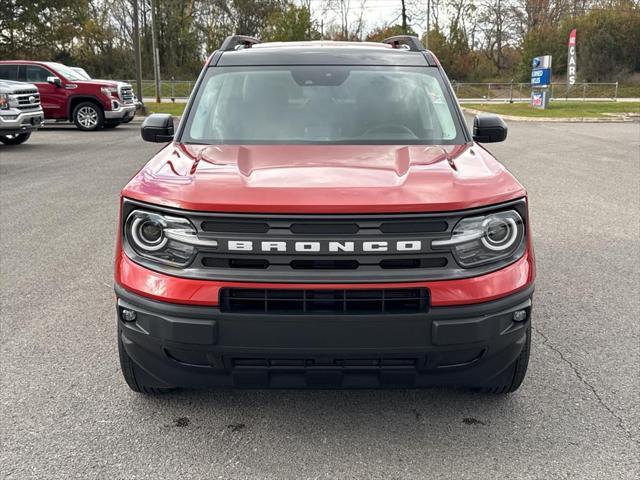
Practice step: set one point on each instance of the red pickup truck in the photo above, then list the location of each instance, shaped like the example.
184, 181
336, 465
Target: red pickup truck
323, 217
66, 96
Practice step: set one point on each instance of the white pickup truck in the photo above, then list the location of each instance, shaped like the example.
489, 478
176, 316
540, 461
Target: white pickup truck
20, 111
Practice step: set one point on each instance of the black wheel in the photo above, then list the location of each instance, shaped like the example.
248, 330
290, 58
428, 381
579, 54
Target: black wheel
88, 116
109, 125
511, 379
127, 120
15, 139
136, 378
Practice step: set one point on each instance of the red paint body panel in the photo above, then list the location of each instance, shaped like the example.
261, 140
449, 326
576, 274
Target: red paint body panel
323, 179
56, 101
158, 286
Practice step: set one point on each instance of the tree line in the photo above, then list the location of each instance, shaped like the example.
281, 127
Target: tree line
476, 40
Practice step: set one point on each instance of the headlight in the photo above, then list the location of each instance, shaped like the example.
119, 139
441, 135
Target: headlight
166, 239
4, 101
479, 240
110, 91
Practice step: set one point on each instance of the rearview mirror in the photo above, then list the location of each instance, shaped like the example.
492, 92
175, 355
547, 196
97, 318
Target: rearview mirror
157, 128
54, 81
489, 128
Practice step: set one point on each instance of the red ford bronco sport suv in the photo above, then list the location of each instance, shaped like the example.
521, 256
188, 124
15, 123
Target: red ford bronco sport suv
322, 217
67, 96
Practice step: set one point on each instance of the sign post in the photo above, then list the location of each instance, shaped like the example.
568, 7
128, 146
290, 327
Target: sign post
571, 60
540, 81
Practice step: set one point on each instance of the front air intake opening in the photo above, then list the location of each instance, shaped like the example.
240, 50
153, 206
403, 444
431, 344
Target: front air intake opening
324, 301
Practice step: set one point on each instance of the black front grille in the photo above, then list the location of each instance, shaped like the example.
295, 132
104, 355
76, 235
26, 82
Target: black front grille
311, 264
270, 247
324, 301
347, 363
235, 227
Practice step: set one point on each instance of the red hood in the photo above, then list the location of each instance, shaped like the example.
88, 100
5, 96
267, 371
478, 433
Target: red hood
95, 83
323, 179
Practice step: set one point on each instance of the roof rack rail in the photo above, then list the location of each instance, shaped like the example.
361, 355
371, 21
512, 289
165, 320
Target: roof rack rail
412, 42
232, 42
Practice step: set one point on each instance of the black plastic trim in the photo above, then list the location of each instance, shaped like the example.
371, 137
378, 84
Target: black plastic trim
184, 346
411, 41
233, 41
317, 55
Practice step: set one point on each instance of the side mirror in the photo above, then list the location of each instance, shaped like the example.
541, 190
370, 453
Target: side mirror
54, 81
157, 128
489, 128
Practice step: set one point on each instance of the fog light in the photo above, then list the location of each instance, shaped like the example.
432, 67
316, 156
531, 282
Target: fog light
520, 316
128, 315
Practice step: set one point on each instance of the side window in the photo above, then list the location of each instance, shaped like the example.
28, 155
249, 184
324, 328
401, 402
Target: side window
34, 73
9, 72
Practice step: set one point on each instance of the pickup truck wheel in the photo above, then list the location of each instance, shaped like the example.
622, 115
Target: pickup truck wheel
15, 139
136, 378
511, 379
88, 116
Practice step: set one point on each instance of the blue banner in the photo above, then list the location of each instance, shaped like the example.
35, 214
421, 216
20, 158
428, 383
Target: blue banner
541, 77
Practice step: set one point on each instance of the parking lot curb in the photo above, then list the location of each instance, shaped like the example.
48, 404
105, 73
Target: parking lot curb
612, 119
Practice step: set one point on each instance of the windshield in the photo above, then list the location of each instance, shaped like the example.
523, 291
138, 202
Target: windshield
322, 104
66, 72
82, 72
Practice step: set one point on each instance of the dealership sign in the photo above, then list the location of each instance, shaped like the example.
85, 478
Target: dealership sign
571, 59
541, 71
540, 81
541, 77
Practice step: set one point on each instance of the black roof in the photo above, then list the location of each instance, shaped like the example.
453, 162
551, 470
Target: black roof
324, 53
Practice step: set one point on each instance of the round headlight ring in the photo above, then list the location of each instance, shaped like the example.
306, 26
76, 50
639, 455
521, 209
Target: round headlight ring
138, 236
507, 241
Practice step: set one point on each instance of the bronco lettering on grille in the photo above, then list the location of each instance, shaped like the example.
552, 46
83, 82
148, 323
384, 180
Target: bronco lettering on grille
324, 246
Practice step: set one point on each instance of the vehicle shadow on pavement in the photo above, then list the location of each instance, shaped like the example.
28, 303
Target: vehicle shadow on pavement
336, 412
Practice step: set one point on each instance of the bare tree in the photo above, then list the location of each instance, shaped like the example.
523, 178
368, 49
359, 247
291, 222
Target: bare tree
342, 8
347, 29
495, 22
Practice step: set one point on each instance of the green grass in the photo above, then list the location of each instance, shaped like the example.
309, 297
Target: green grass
558, 109
166, 107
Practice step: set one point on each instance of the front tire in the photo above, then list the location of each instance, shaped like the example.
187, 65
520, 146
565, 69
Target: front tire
136, 378
511, 379
15, 139
110, 125
88, 116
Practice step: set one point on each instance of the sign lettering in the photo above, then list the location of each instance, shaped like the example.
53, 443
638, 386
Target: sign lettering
571, 59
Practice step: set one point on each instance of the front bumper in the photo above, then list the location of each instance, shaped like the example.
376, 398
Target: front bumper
200, 346
120, 111
17, 121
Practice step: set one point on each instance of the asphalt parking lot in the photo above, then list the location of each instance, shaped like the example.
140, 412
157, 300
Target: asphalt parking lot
67, 413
